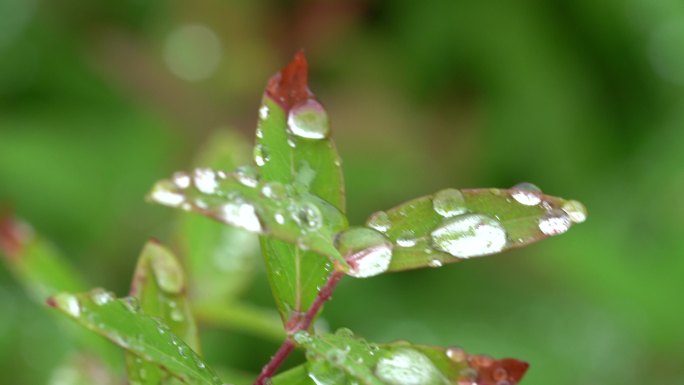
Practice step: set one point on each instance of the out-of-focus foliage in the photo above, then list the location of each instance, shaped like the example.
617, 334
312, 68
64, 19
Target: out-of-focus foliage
584, 98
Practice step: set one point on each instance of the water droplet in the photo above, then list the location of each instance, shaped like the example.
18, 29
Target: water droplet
205, 180
344, 333
302, 337
368, 252
247, 176
449, 202
555, 222
101, 296
526, 194
181, 180
177, 315
575, 210
456, 354
291, 143
274, 190
240, 214
307, 215
261, 155
407, 367
279, 218
406, 239
469, 235
70, 304
259, 132
379, 221
435, 263
131, 304
163, 193
263, 112
308, 120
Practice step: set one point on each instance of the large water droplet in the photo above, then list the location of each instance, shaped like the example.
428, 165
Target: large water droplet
526, 194
575, 210
449, 202
379, 221
247, 176
307, 215
240, 214
555, 222
368, 252
469, 235
261, 155
101, 296
205, 180
308, 120
164, 193
407, 367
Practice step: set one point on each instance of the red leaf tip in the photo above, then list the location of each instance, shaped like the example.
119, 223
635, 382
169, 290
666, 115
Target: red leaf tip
290, 86
51, 302
493, 372
13, 234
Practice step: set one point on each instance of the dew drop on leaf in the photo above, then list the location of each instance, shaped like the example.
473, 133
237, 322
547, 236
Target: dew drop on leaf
469, 235
575, 210
302, 337
274, 190
379, 221
367, 251
182, 180
205, 180
247, 176
526, 194
261, 155
555, 222
449, 202
70, 304
263, 112
456, 354
407, 367
308, 120
240, 214
307, 215
164, 193
101, 296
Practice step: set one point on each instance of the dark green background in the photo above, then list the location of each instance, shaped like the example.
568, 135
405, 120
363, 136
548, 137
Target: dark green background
583, 98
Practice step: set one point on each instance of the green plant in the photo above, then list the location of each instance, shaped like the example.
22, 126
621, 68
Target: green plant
293, 198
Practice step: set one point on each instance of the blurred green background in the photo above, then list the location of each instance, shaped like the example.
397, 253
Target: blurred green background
586, 99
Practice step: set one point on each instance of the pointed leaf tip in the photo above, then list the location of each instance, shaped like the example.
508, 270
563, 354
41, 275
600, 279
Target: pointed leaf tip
13, 234
290, 86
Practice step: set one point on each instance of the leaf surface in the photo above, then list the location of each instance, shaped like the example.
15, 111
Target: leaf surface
159, 285
122, 322
452, 225
341, 358
294, 146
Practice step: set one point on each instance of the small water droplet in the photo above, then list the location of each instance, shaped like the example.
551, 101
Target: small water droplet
449, 202
291, 143
205, 180
70, 304
435, 263
308, 120
261, 155
555, 222
274, 190
279, 218
164, 193
469, 235
182, 180
263, 112
247, 176
344, 333
259, 132
456, 354
131, 304
379, 221
302, 337
240, 214
307, 215
526, 194
101, 296
407, 367
368, 252
177, 315
406, 239
575, 210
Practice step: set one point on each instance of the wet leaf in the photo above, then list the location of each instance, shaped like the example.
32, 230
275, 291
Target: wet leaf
294, 147
452, 225
159, 285
122, 322
221, 260
341, 358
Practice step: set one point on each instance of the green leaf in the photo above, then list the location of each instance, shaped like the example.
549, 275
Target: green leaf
37, 265
452, 225
294, 147
221, 260
160, 287
341, 358
122, 322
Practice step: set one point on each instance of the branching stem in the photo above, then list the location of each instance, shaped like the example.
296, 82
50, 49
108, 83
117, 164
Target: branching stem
303, 324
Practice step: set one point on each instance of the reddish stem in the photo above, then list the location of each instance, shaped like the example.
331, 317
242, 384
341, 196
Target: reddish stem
304, 323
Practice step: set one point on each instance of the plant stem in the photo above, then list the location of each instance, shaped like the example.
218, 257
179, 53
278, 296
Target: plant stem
303, 324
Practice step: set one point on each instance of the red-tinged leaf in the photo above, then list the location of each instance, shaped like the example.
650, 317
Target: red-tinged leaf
290, 86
